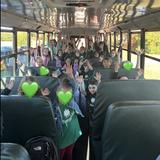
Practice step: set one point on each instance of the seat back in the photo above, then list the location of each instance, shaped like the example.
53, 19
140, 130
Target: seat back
35, 70
12, 151
24, 118
130, 74
45, 82
114, 91
131, 131
107, 73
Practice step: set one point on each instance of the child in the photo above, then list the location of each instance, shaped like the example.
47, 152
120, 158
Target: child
67, 68
71, 128
107, 62
75, 67
30, 79
46, 56
86, 70
91, 98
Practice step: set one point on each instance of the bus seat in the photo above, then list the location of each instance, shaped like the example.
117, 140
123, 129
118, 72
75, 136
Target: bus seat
120, 90
131, 131
12, 151
107, 73
130, 74
45, 82
35, 70
24, 118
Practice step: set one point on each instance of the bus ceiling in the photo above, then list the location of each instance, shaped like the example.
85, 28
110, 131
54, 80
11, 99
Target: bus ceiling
81, 16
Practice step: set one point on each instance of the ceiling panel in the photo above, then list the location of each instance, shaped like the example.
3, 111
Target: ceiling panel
124, 11
99, 14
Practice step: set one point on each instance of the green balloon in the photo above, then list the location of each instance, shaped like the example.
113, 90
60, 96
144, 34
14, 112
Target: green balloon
64, 97
43, 71
29, 89
127, 65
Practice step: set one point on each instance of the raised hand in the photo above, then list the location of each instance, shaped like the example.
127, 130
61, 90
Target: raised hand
80, 79
45, 92
98, 76
116, 66
55, 74
140, 52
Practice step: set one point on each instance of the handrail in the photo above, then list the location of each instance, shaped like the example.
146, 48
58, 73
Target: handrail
147, 56
14, 54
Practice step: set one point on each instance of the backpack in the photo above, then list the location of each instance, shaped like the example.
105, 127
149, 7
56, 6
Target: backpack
42, 148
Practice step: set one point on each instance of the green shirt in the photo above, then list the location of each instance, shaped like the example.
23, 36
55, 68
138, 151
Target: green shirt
71, 128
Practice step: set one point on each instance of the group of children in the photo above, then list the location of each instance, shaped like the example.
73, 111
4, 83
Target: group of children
78, 78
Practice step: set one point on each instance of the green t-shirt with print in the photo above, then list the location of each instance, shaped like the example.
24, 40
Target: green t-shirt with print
71, 128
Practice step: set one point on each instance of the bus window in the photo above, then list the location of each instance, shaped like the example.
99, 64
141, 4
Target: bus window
124, 55
7, 66
134, 59
41, 39
124, 46
21, 41
6, 43
117, 39
125, 40
22, 47
46, 39
152, 47
135, 42
152, 69
33, 39
155, 5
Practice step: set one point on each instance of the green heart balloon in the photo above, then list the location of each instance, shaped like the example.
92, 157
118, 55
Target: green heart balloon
64, 97
128, 65
43, 71
29, 89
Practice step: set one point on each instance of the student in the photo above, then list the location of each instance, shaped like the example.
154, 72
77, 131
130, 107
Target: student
83, 54
57, 60
69, 52
91, 96
33, 56
67, 68
46, 56
60, 55
59, 41
75, 67
71, 128
90, 50
53, 47
103, 48
86, 70
90, 99
107, 62
30, 79
80, 147
117, 65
